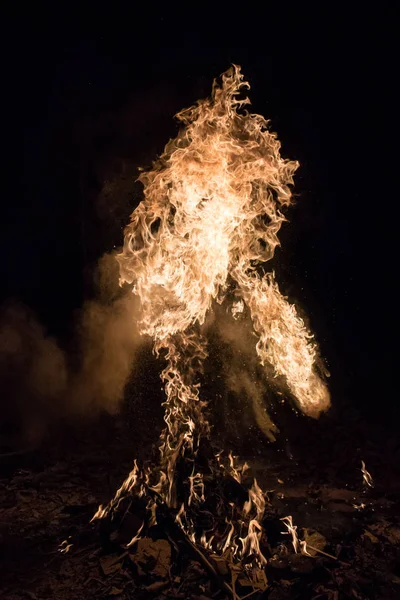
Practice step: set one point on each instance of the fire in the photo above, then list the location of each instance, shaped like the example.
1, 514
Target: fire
367, 477
298, 545
213, 206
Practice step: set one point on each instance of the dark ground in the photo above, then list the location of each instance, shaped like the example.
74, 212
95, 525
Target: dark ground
50, 495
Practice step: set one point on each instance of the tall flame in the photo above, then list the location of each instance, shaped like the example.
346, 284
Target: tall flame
212, 210
210, 216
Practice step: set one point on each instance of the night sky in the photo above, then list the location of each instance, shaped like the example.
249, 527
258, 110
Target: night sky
96, 91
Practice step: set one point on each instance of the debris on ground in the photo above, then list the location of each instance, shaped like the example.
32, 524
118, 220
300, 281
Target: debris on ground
348, 534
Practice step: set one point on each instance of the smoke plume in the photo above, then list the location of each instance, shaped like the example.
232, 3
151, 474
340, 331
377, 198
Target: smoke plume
41, 382
242, 375
33, 376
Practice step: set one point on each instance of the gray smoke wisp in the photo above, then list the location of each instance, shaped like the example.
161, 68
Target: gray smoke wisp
33, 377
241, 371
40, 382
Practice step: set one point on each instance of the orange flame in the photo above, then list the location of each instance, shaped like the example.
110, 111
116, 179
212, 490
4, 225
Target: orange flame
211, 213
212, 209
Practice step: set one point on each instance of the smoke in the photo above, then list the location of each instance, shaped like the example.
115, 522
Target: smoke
241, 371
108, 347
40, 382
33, 376
241, 383
254, 388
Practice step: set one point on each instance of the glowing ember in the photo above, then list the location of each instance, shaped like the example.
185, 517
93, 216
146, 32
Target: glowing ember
210, 216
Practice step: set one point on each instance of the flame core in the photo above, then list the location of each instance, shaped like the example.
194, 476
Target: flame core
211, 213
212, 209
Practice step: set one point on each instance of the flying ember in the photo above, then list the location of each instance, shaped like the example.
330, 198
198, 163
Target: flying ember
212, 209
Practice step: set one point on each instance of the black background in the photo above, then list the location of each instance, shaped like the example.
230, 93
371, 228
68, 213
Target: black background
92, 90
